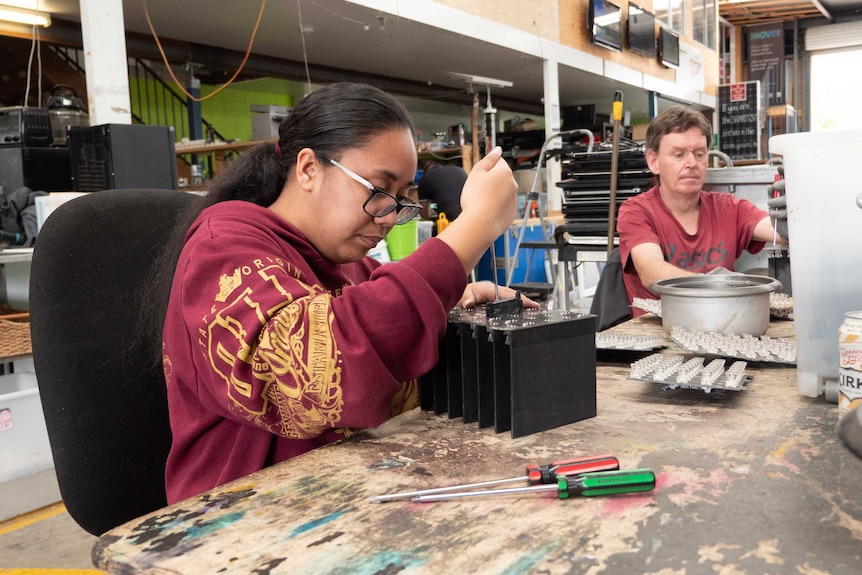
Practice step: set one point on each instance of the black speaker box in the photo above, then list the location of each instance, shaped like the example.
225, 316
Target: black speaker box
575, 117
40, 169
122, 156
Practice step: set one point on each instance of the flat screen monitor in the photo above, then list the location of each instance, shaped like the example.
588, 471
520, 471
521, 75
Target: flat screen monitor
641, 31
604, 22
668, 48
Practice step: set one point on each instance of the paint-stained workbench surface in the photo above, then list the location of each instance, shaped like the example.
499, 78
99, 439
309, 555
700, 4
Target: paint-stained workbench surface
751, 482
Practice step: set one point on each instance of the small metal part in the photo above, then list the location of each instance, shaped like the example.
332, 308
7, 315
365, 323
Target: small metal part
505, 308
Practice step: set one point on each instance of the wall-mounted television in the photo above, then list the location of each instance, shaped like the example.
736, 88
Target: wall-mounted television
604, 24
668, 48
641, 31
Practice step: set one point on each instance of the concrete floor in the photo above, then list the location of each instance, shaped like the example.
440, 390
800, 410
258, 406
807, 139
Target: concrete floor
37, 533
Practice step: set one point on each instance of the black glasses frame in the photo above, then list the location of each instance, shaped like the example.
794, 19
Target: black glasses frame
403, 207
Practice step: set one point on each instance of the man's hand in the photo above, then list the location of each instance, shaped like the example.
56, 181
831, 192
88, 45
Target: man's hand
778, 208
778, 214
722, 272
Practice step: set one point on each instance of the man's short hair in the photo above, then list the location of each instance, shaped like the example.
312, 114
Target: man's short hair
676, 118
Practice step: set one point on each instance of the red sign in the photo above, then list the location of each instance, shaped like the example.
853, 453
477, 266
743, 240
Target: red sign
737, 92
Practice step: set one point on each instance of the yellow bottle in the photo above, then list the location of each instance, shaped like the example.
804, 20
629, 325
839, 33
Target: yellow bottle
442, 222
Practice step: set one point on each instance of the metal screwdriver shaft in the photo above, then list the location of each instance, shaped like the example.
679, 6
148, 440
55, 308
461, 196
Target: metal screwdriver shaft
587, 485
535, 475
494, 271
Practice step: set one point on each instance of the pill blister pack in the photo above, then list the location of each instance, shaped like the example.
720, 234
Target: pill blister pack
781, 305
652, 306
628, 342
674, 371
747, 347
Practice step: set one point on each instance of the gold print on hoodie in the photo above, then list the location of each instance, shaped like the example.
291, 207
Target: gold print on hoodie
301, 351
294, 386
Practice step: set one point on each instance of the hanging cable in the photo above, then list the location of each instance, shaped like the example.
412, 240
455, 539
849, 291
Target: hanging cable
226, 84
39, 61
333, 12
35, 48
304, 53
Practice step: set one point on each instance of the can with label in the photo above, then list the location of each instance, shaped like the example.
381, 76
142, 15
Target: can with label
850, 362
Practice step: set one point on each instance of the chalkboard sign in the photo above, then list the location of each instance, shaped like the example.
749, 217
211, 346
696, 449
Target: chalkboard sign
739, 120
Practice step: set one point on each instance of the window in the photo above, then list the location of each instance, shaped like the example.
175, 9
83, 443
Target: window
835, 92
671, 12
703, 15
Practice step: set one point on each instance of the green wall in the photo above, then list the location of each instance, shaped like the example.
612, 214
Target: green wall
229, 111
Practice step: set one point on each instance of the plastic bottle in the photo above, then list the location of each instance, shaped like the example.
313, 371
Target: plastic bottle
442, 222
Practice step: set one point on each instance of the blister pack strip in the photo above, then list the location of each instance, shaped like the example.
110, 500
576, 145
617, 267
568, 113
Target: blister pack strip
652, 306
747, 347
674, 371
781, 305
628, 342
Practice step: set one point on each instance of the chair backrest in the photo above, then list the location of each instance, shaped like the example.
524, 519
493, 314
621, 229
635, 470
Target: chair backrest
103, 397
610, 301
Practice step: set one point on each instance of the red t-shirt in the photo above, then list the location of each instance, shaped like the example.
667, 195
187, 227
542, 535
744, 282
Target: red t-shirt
270, 350
724, 229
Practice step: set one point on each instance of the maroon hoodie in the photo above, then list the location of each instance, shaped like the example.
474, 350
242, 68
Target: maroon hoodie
271, 350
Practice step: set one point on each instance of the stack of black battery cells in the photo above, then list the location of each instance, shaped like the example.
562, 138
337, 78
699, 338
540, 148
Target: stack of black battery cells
522, 372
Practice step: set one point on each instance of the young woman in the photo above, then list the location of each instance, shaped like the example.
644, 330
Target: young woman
280, 334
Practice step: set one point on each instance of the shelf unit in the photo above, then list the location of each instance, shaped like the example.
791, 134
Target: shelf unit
24, 443
446, 155
216, 154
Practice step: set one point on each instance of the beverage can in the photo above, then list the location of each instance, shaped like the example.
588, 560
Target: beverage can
850, 362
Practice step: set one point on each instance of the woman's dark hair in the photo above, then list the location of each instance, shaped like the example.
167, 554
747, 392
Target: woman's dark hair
329, 120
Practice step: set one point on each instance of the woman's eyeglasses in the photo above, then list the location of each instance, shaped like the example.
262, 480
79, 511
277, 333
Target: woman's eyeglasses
380, 202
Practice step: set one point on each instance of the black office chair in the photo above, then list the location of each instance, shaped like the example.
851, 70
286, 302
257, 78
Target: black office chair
611, 302
103, 397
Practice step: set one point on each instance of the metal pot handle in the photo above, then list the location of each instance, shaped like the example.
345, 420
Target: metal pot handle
859, 201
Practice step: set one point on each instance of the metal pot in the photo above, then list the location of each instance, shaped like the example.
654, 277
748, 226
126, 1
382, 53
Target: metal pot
730, 303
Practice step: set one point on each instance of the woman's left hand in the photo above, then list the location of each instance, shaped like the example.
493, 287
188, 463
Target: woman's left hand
481, 292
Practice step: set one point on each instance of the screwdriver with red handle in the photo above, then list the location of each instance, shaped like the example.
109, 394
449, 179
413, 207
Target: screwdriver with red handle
535, 475
585, 485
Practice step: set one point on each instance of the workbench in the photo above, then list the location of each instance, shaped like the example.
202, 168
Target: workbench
752, 481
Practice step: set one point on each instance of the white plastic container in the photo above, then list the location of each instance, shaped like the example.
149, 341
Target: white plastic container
24, 446
424, 231
380, 252
825, 227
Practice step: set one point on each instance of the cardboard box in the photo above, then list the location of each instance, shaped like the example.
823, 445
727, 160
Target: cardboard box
639, 132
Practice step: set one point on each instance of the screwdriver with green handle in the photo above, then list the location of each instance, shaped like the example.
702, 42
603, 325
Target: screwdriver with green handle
586, 485
535, 475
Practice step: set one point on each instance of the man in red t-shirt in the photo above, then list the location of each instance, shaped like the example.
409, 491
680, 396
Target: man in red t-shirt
677, 229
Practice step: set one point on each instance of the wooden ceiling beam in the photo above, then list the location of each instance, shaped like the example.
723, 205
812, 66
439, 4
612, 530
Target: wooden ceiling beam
752, 12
